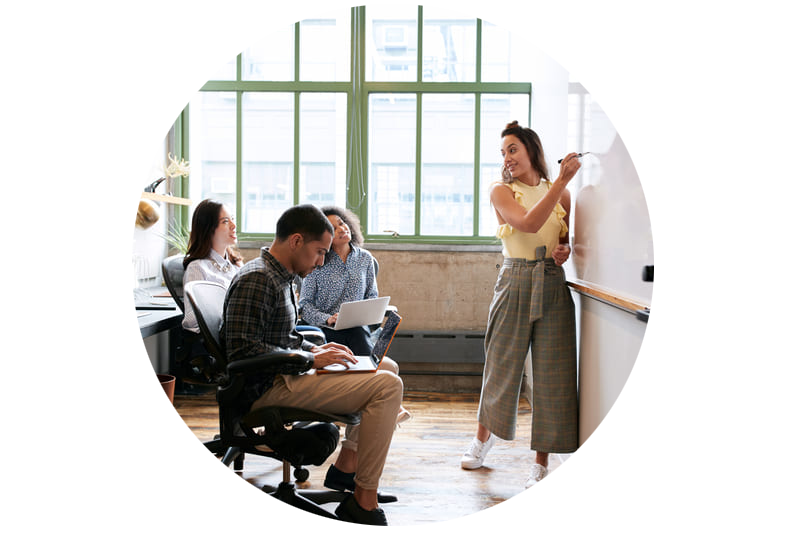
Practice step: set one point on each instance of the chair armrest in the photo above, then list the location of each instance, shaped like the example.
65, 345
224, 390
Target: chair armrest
277, 362
316, 337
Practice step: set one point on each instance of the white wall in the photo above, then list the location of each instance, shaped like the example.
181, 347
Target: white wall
149, 249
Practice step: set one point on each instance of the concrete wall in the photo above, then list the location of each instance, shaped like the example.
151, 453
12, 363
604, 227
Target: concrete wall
439, 290
448, 291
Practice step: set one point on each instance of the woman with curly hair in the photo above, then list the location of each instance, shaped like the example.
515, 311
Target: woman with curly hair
348, 275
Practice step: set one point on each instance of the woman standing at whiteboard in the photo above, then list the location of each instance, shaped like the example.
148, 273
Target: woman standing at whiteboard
531, 309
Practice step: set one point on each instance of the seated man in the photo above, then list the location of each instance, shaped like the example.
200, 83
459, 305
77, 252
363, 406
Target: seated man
260, 314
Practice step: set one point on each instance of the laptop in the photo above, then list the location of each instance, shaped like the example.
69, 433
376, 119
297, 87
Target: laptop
369, 363
361, 313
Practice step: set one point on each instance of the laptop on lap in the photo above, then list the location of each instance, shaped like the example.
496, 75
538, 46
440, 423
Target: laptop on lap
369, 363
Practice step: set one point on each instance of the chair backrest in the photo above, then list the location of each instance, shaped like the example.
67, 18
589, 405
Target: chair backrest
208, 300
172, 269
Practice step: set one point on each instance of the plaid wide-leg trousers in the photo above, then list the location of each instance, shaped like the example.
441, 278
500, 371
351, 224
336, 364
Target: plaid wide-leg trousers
532, 309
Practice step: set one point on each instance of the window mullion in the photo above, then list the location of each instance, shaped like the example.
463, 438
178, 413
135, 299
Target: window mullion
417, 228
296, 165
357, 110
476, 185
478, 100
181, 186
478, 58
239, 155
239, 143
296, 198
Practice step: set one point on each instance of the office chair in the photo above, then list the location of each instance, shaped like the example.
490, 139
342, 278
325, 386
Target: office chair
192, 364
172, 271
239, 427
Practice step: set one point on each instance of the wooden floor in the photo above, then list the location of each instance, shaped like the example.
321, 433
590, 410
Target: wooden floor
423, 467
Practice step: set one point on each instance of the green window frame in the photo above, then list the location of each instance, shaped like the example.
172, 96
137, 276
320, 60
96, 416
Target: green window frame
358, 92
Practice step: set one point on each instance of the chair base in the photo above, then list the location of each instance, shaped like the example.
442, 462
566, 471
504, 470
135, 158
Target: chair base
308, 500
229, 454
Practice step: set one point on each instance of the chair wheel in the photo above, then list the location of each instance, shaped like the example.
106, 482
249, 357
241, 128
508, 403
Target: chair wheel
301, 474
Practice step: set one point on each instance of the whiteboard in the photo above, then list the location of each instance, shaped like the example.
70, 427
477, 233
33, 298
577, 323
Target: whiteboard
611, 231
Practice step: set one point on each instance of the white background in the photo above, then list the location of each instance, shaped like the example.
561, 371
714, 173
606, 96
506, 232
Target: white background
703, 435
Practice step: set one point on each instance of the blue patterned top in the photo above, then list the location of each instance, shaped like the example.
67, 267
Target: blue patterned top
326, 288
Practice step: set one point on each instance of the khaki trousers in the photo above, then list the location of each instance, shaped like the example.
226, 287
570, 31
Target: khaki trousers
377, 396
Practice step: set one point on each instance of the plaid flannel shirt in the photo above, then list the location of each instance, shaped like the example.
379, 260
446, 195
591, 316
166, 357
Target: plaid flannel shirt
260, 315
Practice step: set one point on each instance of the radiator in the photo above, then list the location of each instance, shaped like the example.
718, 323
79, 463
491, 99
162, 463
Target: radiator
438, 347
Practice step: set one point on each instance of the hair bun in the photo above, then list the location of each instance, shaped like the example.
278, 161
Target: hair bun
514, 124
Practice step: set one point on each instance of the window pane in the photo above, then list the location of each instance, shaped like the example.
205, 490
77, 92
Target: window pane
323, 148
212, 148
227, 72
447, 164
496, 111
325, 48
392, 163
391, 37
504, 57
448, 47
267, 173
271, 59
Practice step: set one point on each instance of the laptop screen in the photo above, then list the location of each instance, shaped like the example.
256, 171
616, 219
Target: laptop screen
384, 340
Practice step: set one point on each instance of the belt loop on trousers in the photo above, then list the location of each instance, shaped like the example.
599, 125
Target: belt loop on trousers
537, 285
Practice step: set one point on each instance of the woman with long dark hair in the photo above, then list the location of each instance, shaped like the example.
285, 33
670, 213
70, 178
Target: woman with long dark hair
212, 255
532, 308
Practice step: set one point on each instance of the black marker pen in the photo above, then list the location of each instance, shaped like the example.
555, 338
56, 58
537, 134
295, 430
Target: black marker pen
578, 155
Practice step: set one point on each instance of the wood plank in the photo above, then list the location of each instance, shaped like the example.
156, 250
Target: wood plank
166, 198
423, 467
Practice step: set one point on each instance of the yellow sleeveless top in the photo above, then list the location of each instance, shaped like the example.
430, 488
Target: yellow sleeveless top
520, 244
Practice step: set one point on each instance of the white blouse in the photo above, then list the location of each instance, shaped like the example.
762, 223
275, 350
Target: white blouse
213, 268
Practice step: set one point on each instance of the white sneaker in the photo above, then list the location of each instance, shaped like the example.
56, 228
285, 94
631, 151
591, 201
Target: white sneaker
476, 454
403, 416
538, 473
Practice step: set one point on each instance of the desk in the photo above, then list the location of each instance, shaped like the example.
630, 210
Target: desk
161, 331
156, 321
152, 321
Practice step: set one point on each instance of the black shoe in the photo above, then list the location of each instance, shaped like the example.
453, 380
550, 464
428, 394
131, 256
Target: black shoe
350, 511
337, 480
